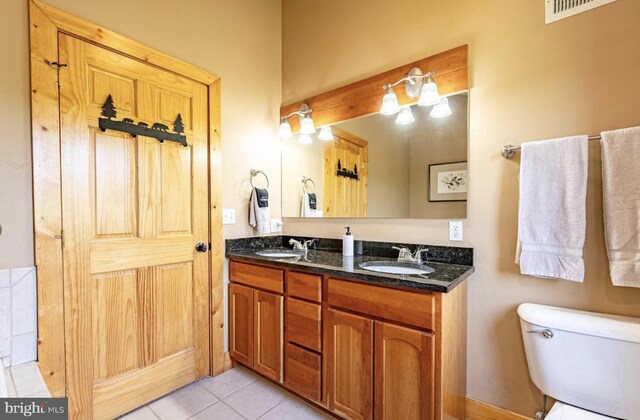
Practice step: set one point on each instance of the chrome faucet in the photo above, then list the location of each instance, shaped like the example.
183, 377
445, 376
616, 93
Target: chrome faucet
302, 246
308, 243
405, 255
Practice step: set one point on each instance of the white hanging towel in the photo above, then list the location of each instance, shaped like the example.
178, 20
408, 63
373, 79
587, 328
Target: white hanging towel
552, 212
259, 214
621, 199
309, 205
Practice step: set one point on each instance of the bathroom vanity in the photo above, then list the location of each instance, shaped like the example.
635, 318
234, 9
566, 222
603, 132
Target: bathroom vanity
360, 344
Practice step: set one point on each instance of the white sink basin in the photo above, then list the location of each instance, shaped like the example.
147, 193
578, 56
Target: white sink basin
278, 253
399, 268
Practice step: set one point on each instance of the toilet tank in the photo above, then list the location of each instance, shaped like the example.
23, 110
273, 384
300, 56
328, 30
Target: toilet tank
590, 360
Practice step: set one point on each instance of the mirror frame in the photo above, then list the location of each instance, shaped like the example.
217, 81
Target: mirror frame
364, 97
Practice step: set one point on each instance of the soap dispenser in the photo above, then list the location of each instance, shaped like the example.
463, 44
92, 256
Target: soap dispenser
347, 243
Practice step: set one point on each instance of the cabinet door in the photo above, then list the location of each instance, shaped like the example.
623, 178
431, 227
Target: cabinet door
404, 373
350, 364
268, 343
241, 323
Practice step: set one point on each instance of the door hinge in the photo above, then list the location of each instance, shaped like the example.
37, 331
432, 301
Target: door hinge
58, 66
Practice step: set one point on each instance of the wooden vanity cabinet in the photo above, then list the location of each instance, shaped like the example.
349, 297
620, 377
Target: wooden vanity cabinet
267, 333
303, 335
256, 319
404, 374
359, 350
349, 358
377, 361
241, 341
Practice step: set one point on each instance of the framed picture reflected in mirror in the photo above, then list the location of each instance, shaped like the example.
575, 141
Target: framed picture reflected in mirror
448, 181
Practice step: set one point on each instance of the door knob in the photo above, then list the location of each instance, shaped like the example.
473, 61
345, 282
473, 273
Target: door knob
200, 247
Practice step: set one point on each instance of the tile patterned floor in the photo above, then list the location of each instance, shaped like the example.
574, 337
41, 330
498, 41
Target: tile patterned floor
25, 381
236, 394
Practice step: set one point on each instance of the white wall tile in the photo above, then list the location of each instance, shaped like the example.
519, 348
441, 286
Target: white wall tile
24, 301
24, 348
18, 273
5, 278
5, 322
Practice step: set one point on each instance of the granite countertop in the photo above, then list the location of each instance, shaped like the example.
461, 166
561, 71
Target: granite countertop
444, 279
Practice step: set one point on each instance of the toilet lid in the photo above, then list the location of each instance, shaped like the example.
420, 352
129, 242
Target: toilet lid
562, 411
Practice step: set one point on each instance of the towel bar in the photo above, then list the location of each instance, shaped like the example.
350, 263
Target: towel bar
510, 150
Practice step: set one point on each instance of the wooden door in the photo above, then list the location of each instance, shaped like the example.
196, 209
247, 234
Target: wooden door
404, 373
241, 323
343, 196
350, 364
136, 293
268, 325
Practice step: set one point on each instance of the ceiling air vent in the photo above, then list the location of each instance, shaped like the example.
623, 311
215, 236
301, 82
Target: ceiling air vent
560, 9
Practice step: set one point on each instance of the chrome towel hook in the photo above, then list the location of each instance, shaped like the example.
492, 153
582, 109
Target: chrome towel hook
304, 181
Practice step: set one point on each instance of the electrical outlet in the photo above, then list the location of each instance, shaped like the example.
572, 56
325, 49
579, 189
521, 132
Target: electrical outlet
455, 230
276, 225
228, 216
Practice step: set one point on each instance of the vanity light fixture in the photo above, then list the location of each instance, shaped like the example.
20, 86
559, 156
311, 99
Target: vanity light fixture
429, 94
390, 104
405, 116
416, 84
306, 126
306, 122
325, 133
285, 128
441, 109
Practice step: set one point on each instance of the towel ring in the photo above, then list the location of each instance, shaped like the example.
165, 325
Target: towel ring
255, 172
307, 179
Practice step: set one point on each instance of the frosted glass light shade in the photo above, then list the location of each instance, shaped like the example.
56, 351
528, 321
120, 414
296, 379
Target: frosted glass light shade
390, 104
429, 94
325, 133
441, 109
285, 129
306, 126
405, 116
304, 139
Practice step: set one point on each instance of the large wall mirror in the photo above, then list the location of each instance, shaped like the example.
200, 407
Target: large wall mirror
361, 163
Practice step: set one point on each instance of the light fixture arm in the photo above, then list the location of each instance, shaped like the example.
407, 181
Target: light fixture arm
304, 111
411, 79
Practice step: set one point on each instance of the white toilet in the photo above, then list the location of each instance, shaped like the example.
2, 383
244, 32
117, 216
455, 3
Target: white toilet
589, 362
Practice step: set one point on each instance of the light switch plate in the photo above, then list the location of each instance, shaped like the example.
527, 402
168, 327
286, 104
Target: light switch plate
228, 216
455, 230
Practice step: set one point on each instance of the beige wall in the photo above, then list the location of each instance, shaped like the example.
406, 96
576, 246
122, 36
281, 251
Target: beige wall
240, 41
528, 81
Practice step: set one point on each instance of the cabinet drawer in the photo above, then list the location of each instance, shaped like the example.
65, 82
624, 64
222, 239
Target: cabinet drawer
257, 276
303, 323
304, 286
303, 372
395, 305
